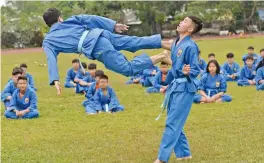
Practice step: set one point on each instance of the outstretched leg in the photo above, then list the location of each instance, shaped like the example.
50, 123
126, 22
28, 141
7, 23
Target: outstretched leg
134, 43
114, 60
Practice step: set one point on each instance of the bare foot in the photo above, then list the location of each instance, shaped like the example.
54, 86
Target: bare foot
184, 158
158, 161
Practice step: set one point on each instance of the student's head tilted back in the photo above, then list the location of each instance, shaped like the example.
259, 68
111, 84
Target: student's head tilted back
51, 16
17, 72
75, 64
249, 61
213, 67
230, 58
23, 66
103, 81
250, 50
164, 67
190, 25
22, 83
98, 74
91, 69
211, 56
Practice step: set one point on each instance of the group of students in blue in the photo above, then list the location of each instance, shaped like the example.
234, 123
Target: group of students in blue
19, 96
212, 85
92, 83
156, 79
213, 77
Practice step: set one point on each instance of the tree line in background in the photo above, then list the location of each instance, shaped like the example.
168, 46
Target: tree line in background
23, 26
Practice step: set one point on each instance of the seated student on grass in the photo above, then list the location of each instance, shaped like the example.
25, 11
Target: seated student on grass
231, 69
202, 64
72, 72
93, 88
10, 87
23, 103
137, 79
160, 83
105, 99
23, 66
251, 52
85, 83
212, 86
260, 76
248, 73
211, 56
149, 76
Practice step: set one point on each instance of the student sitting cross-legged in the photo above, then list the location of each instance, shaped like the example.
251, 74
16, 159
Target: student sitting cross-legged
212, 86
23, 102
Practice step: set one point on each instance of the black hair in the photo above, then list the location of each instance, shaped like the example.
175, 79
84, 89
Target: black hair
216, 64
84, 65
51, 16
198, 23
250, 47
164, 63
75, 60
211, 55
230, 55
261, 50
99, 73
199, 52
23, 65
91, 66
104, 77
250, 57
22, 78
17, 70
260, 64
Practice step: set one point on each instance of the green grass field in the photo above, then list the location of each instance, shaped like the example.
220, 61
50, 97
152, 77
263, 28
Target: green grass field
217, 133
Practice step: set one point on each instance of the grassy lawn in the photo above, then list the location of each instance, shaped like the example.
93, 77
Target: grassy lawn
217, 133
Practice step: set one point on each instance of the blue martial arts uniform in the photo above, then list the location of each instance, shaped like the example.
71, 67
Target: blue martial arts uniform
8, 91
138, 76
31, 81
229, 70
71, 74
148, 77
100, 44
178, 99
100, 102
87, 79
260, 76
212, 85
255, 57
29, 100
81, 76
90, 95
158, 82
202, 65
246, 74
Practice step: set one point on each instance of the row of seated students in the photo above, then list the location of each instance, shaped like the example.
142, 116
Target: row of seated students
212, 84
94, 85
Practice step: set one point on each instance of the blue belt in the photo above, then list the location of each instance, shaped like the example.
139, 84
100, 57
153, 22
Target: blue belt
209, 92
80, 49
169, 91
